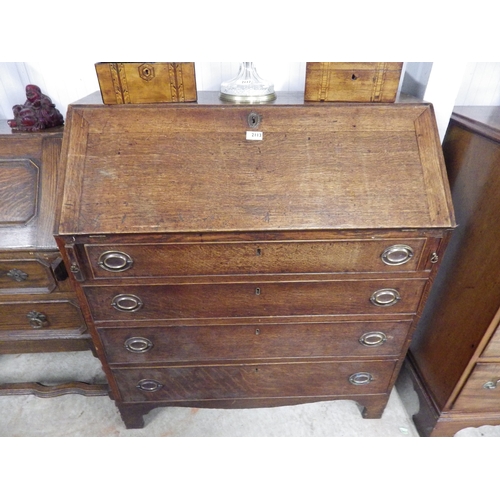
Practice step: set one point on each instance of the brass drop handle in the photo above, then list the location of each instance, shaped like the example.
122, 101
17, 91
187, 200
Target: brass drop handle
37, 320
17, 275
138, 344
372, 339
397, 255
385, 297
360, 378
492, 384
126, 303
148, 385
115, 262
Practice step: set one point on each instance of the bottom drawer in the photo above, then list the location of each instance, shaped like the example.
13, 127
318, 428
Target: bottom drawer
277, 380
482, 390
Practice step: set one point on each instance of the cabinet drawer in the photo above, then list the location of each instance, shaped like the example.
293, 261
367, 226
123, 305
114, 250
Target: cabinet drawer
30, 319
253, 299
25, 276
176, 344
279, 380
482, 390
492, 350
189, 259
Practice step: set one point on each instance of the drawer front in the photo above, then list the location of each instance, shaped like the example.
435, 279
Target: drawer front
25, 276
482, 390
41, 317
492, 350
177, 344
280, 380
254, 300
162, 260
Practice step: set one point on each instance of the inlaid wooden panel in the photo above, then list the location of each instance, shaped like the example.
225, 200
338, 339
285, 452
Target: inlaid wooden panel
352, 82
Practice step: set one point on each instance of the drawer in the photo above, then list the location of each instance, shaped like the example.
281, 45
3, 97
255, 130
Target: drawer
278, 380
20, 320
111, 303
175, 344
25, 276
189, 259
492, 350
482, 389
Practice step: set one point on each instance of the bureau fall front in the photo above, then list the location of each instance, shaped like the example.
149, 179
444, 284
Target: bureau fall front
236, 256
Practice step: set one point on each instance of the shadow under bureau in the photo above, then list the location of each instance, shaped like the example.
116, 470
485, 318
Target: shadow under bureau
237, 256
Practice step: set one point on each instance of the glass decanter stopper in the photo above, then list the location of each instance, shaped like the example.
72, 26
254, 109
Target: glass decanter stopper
247, 86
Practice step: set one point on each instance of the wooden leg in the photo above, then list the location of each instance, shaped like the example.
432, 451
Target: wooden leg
373, 407
132, 415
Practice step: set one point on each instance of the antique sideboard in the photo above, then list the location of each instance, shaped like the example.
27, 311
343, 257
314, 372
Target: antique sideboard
240, 255
39, 311
454, 359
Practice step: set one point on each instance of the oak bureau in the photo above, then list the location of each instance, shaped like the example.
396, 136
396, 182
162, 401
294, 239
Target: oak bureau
235, 256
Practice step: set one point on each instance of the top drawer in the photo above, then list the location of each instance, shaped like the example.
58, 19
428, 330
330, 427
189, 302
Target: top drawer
202, 259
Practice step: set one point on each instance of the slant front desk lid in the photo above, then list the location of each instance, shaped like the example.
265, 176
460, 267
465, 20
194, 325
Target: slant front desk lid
213, 166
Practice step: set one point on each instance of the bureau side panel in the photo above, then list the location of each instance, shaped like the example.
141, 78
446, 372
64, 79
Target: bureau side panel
466, 292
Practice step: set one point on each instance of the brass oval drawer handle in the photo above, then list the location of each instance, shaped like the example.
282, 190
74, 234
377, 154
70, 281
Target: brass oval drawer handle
148, 385
492, 384
115, 262
385, 297
126, 303
360, 378
397, 255
17, 275
138, 344
37, 320
373, 339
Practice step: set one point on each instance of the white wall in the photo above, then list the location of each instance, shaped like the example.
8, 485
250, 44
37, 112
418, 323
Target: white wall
480, 85
445, 84
79, 79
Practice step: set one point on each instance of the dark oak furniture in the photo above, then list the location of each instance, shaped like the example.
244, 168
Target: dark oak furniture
38, 308
454, 358
237, 256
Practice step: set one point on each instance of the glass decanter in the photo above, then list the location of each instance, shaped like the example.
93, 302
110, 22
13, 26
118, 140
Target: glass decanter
247, 86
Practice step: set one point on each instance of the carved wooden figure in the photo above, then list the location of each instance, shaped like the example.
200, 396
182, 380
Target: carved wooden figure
37, 113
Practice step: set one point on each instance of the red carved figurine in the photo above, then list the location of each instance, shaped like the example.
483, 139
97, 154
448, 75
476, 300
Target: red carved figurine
37, 113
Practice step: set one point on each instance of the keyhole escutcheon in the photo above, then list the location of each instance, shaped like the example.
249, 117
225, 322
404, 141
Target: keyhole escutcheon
253, 120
